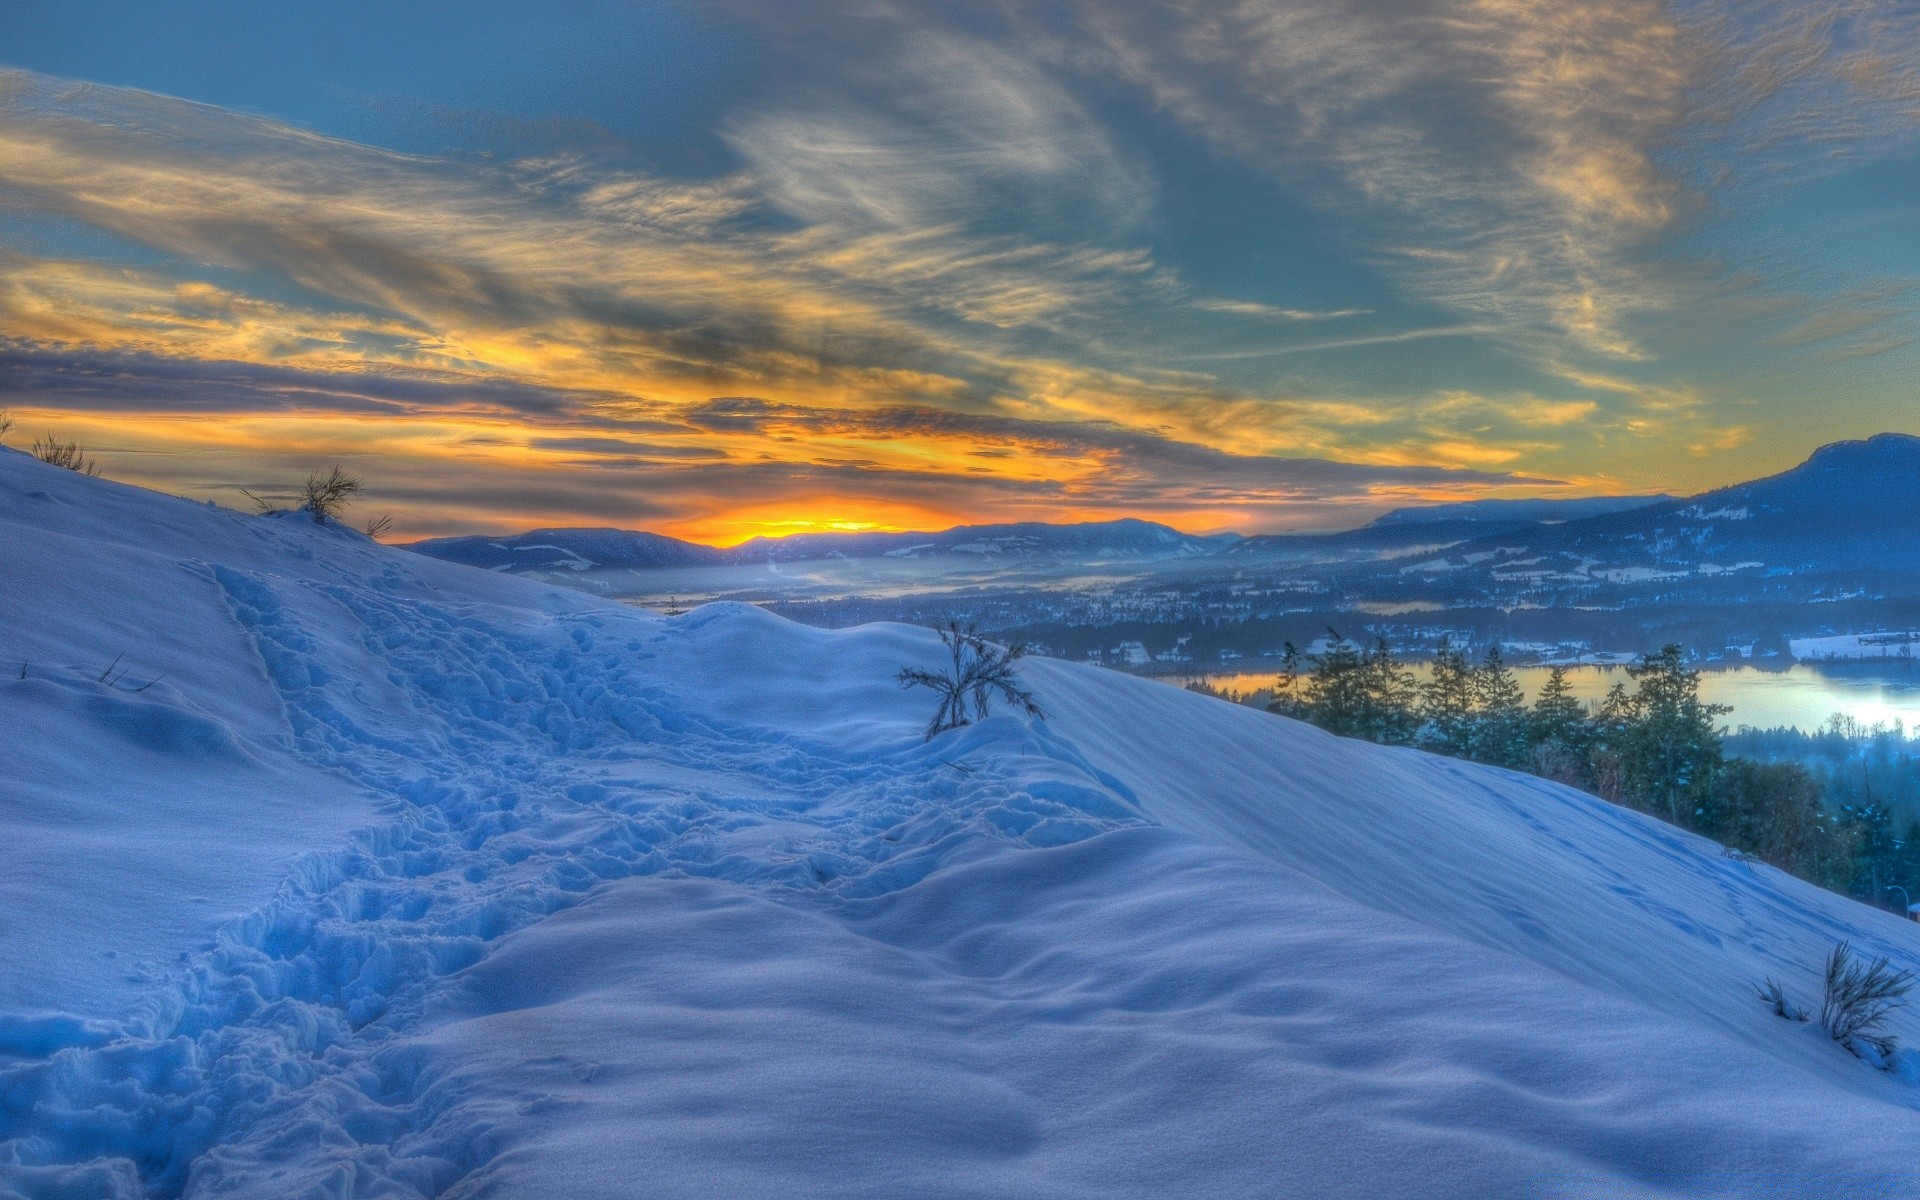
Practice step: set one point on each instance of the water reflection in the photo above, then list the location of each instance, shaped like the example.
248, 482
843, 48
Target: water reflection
1803, 695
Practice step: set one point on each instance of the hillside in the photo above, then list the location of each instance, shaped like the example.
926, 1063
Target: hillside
1517, 512
1844, 517
547, 551
406, 879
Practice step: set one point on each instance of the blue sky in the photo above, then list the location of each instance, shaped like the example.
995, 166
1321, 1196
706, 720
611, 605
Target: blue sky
724, 269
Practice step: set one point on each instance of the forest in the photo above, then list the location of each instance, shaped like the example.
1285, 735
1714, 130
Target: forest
1834, 808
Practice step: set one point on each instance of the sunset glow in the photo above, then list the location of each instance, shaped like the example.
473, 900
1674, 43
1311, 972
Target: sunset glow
924, 272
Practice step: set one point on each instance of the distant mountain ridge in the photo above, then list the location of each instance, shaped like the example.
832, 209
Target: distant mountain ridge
1550, 511
1433, 526
577, 550
1852, 508
543, 550
1127, 538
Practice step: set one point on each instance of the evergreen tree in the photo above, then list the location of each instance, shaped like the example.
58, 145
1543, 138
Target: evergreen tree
1906, 862
1446, 704
1669, 746
1557, 714
1360, 693
1655, 746
1336, 693
1607, 736
1500, 713
1875, 849
1559, 732
1286, 691
1392, 694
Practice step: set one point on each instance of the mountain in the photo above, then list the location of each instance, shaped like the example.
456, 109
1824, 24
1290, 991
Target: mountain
1426, 528
555, 553
1514, 512
334, 869
1847, 517
1093, 541
1367, 543
556, 550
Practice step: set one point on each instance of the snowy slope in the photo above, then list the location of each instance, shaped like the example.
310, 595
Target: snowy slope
423, 881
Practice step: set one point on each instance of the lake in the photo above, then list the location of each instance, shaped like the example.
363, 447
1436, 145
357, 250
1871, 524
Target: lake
1803, 695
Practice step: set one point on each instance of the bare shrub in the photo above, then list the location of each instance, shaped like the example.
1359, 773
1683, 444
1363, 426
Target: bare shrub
1552, 759
6, 424
380, 526
1860, 997
53, 451
978, 671
325, 495
1775, 997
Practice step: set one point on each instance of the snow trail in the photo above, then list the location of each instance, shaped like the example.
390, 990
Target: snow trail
527, 766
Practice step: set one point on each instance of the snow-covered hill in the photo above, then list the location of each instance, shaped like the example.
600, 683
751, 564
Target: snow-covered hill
1844, 516
553, 551
409, 879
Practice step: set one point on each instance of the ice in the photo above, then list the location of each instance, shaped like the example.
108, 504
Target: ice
406, 879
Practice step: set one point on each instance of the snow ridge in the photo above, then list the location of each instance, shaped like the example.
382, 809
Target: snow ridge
284, 1037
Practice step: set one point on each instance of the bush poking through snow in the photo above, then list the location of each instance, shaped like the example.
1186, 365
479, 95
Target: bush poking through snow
979, 669
52, 450
1775, 997
380, 526
1860, 996
325, 495
6, 423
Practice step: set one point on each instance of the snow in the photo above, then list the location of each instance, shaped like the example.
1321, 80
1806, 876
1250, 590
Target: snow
1855, 645
423, 881
1698, 512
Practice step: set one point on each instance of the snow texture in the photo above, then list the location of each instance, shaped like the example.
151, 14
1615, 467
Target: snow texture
408, 879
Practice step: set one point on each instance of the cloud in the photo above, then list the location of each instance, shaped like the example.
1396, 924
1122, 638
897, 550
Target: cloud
1522, 162
1824, 326
1498, 155
622, 449
443, 457
1249, 308
937, 217
981, 134
1871, 348
1407, 335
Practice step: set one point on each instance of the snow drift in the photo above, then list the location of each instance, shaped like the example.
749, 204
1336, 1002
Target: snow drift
377, 876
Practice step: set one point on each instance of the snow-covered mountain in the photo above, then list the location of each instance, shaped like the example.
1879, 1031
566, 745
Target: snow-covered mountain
1847, 515
1516, 512
554, 551
546, 551
335, 870
1091, 541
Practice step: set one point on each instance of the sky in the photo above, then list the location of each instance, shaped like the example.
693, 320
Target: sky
724, 269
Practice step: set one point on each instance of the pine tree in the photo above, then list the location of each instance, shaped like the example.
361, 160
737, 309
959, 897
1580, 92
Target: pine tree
1500, 724
1287, 700
1876, 850
1559, 732
1557, 714
1446, 704
1668, 744
1392, 693
1360, 693
1336, 691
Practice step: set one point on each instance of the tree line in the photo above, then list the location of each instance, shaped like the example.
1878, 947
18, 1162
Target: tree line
1654, 746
